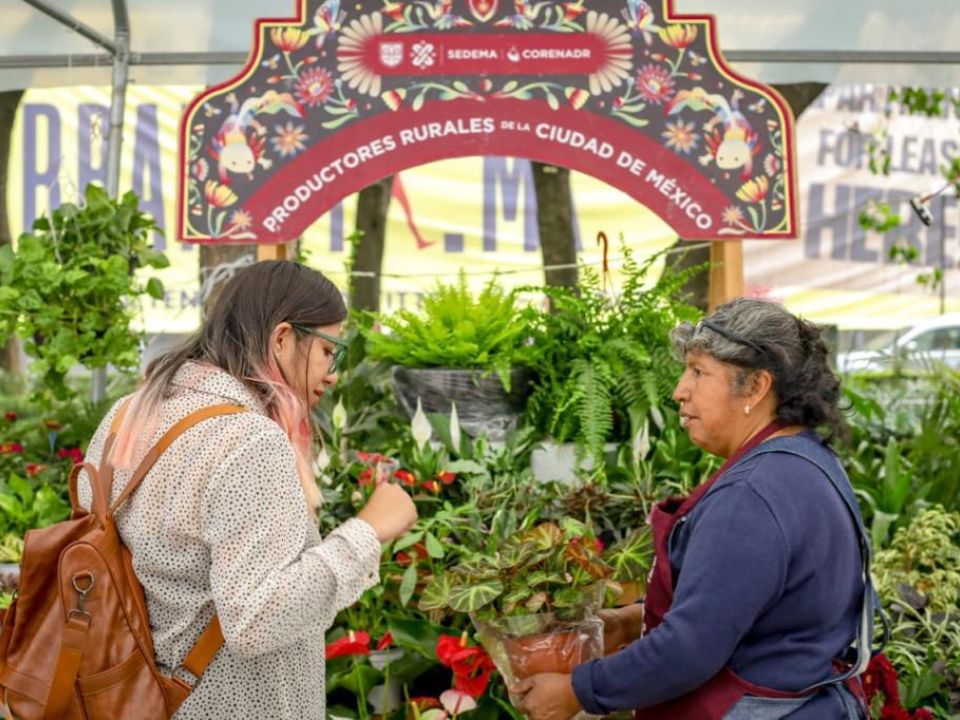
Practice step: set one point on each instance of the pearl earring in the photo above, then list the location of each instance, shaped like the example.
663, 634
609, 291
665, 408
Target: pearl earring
746, 409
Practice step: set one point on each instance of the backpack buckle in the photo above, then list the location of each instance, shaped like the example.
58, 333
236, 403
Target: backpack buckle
83, 583
185, 676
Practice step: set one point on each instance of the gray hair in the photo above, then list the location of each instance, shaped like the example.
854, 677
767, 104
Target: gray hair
752, 335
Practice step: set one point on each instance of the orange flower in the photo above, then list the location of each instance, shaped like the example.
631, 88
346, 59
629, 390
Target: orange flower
220, 196
289, 39
577, 97
393, 99
754, 191
678, 36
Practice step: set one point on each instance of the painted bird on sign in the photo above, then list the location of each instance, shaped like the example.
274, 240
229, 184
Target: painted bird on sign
326, 21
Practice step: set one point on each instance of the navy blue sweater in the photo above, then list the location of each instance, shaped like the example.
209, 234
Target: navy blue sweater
769, 583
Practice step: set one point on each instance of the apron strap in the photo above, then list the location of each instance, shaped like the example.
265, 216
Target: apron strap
871, 602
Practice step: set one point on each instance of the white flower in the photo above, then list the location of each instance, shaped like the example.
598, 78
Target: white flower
420, 426
457, 702
357, 497
641, 443
339, 417
454, 428
322, 462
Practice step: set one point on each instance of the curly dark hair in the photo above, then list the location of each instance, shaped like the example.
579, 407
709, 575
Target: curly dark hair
754, 334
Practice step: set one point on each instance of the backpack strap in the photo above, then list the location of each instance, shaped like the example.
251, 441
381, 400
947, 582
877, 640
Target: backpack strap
164, 442
204, 650
63, 691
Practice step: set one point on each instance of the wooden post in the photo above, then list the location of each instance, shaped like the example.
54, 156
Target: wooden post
726, 271
280, 251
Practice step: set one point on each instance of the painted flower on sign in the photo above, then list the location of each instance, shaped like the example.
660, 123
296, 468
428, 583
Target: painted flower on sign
771, 164
733, 216
680, 136
754, 191
289, 139
314, 87
240, 220
217, 195
351, 52
393, 99
617, 52
679, 36
289, 39
655, 84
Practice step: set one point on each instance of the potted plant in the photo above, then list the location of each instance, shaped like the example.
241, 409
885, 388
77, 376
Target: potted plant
602, 364
534, 601
461, 349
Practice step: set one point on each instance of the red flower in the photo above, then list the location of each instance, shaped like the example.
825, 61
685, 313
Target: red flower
7, 448
404, 558
366, 477
431, 485
34, 469
881, 677
655, 84
471, 665
353, 643
371, 458
406, 477
52, 424
446, 477
314, 87
10, 415
74, 454
385, 642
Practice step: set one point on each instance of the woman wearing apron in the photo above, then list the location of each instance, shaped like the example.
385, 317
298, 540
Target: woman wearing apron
759, 604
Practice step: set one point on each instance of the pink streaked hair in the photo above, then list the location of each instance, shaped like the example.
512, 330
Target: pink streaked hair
281, 402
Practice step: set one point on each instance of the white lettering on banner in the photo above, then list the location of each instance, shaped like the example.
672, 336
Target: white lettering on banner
575, 139
555, 54
472, 54
435, 130
670, 189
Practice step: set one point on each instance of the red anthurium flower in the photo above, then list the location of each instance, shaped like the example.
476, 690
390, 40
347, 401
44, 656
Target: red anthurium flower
366, 477
34, 469
431, 485
474, 686
598, 543
454, 653
385, 642
372, 458
404, 558
446, 477
406, 477
353, 643
10, 415
14, 447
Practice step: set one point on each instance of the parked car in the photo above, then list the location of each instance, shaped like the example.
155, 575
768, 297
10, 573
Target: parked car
919, 347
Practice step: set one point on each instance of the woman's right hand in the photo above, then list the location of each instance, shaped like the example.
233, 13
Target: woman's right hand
389, 511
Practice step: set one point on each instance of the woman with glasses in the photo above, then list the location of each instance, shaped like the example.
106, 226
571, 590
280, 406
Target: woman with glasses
759, 604
224, 524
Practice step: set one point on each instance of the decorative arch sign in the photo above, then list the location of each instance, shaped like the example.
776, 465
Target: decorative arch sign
346, 94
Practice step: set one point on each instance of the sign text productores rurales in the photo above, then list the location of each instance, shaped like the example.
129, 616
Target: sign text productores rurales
623, 91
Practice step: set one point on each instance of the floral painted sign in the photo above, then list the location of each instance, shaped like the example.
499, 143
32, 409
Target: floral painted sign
626, 91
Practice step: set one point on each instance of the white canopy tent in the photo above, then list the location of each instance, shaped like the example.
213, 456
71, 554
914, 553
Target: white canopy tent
205, 41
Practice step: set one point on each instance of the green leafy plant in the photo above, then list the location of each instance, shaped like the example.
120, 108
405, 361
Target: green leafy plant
603, 363
551, 568
456, 329
68, 288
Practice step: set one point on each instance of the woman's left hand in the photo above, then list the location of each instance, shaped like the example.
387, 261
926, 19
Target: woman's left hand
547, 696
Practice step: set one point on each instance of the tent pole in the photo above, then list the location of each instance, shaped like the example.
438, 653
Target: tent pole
71, 22
118, 101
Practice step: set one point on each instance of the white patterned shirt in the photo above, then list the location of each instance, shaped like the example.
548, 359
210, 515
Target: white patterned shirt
220, 525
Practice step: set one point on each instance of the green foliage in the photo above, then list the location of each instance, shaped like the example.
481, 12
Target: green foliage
603, 363
68, 289
925, 557
455, 330
549, 568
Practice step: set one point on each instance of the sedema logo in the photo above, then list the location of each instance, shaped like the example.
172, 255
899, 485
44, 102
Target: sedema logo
391, 54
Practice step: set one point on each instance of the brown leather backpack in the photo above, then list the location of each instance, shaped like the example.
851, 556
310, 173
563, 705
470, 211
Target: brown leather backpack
76, 642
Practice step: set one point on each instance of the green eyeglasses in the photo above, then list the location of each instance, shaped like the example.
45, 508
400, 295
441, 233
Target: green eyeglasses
339, 346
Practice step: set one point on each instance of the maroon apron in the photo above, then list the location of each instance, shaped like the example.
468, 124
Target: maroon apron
715, 698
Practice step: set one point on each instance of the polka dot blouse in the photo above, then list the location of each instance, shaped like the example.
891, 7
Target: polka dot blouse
220, 525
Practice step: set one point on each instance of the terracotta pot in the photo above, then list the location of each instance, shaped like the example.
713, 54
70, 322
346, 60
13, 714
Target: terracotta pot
556, 652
